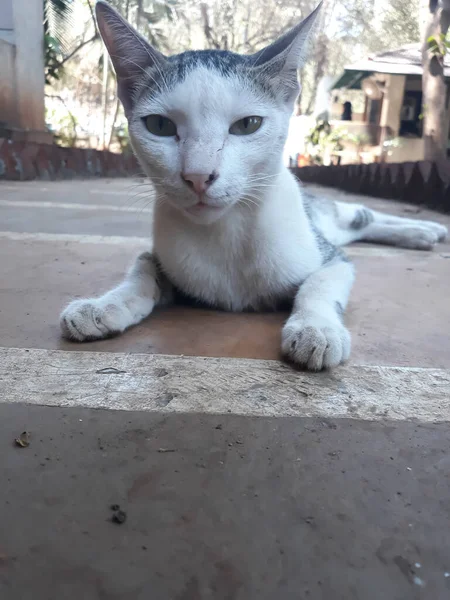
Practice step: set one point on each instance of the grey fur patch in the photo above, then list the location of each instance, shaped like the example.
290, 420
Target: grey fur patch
362, 219
339, 309
177, 67
219, 60
327, 250
320, 205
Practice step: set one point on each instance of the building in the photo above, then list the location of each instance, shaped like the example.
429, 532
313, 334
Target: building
22, 111
392, 117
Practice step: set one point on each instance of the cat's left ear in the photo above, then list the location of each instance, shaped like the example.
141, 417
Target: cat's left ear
130, 53
282, 58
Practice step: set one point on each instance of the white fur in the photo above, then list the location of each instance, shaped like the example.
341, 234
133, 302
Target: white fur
241, 259
203, 107
388, 229
314, 334
253, 244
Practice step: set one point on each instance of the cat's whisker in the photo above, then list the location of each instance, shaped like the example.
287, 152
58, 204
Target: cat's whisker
131, 76
161, 74
155, 81
135, 198
248, 200
141, 196
152, 202
144, 188
261, 184
262, 176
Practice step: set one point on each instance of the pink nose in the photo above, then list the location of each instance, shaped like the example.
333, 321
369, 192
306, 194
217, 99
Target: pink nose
199, 182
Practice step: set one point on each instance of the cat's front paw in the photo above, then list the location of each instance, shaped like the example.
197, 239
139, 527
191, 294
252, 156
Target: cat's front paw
316, 343
87, 320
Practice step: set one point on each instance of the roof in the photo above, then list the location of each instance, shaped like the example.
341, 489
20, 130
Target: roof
403, 61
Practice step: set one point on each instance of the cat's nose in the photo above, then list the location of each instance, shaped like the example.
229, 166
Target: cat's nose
199, 182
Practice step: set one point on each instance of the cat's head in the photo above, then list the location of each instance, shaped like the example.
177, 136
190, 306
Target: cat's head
207, 126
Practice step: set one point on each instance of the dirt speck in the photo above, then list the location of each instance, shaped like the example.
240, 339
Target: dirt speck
119, 517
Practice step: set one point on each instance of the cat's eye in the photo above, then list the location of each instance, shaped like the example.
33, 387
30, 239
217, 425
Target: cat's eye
246, 126
161, 126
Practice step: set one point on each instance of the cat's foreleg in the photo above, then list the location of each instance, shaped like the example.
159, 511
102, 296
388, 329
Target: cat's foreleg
126, 305
314, 336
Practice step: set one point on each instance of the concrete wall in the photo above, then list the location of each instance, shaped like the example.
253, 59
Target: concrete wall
392, 104
8, 104
412, 149
22, 64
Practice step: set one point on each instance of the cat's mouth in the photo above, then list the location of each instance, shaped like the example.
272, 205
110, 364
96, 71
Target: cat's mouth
204, 213
202, 207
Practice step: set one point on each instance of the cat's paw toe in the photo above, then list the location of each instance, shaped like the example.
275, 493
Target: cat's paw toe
442, 232
87, 320
421, 238
316, 346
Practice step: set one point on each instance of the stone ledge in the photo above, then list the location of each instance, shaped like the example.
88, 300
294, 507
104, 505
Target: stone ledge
26, 160
181, 384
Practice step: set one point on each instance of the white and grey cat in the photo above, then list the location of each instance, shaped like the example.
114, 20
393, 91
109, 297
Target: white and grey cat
232, 226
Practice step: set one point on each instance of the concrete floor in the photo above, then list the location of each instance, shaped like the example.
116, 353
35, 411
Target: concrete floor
268, 500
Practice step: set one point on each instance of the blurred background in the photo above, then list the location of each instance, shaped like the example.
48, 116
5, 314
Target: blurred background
362, 97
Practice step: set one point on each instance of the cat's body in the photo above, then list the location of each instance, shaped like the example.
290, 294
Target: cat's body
241, 262
232, 226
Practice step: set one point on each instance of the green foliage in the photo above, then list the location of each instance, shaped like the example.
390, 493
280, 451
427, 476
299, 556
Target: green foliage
438, 45
324, 139
319, 132
122, 137
57, 22
319, 138
64, 127
395, 142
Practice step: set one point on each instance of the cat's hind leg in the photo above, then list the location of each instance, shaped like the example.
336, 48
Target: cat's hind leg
127, 304
356, 222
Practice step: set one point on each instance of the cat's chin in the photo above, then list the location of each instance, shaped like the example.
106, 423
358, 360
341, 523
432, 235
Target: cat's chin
204, 214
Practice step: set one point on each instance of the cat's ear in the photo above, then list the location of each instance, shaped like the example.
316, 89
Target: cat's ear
130, 53
282, 58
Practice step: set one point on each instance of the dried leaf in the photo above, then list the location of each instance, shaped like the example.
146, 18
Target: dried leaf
23, 440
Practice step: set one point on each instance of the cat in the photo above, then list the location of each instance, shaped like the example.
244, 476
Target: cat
232, 226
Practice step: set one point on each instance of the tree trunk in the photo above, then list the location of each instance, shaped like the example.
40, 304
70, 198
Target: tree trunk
435, 23
104, 95
207, 29
113, 124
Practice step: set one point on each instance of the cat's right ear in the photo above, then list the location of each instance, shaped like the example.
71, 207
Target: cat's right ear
130, 53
